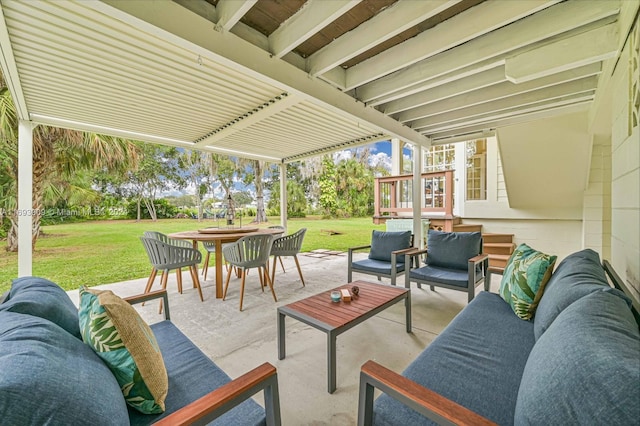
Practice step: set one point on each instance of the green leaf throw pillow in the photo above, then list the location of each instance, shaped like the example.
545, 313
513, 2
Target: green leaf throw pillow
524, 279
115, 331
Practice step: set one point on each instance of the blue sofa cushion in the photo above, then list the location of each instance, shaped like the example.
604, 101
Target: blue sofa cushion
45, 299
585, 369
483, 342
376, 266
578, 275
524, 279
452, 250
50, 377
187, 366
383, 243
457, 278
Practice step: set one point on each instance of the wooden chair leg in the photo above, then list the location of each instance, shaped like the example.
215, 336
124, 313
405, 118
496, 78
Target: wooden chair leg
226, 285
273, 270
163, 282
244, 276
261, 274
150, 281
299, 270
281, 264
271, 287
196, 280
205, 268
179, 278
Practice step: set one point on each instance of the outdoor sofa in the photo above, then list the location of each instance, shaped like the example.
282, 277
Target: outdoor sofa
48, 375
576, 362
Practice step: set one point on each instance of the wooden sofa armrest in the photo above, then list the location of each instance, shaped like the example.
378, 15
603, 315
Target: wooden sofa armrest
426, 402
352, 249
141, 298
223, 399
479, 258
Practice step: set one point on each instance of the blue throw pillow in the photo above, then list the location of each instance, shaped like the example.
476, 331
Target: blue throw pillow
578, 275
383, 243
42, 298
585, 369
50, 377
452, 250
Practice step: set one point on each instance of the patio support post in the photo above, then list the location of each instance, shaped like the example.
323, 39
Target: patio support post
417, 196
283, 195
25, 197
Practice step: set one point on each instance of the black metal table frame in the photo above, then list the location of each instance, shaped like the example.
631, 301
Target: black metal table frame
333, 332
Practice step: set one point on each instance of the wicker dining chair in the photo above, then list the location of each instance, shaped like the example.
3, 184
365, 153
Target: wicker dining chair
251, 251
289, 245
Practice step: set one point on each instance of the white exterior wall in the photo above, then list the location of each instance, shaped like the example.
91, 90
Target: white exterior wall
596, 215
625, 151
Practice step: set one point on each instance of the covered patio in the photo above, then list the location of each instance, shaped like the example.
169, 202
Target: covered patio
239, 341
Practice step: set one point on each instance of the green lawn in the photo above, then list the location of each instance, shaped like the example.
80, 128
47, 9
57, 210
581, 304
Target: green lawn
94, 253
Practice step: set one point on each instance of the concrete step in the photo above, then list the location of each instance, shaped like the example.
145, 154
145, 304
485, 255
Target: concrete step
498, 248
497, 238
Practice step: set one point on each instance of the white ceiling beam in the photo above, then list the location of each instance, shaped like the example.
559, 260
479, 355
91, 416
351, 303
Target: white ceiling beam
467, 84
314, 16
231, 11
10, 71
440, 136
482, 119
587, 48
173, 23
543, 25
386, 24
261, 112
499, 91
474, 22
562, 90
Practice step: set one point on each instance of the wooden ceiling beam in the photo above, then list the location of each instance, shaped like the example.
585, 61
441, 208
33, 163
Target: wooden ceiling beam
314, 16
498, 44
392, 21
499, 91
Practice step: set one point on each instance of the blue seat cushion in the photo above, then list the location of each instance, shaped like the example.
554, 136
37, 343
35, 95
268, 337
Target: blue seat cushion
578, 275
585, 369
192, 375
452, 249
476, 361
50, 377
453, 277
45, 299
383, 243
375, 266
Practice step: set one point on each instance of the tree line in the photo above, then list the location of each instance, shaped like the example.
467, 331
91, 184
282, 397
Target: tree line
73, 169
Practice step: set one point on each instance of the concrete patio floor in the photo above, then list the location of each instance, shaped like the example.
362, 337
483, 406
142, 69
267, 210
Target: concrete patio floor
239, 341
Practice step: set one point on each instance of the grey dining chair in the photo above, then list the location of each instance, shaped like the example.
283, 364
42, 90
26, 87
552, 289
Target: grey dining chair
168, 240
289, 245
251, 251
210, 247
165, 257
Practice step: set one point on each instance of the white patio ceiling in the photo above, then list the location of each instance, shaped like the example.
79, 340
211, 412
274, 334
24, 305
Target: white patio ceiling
206, 74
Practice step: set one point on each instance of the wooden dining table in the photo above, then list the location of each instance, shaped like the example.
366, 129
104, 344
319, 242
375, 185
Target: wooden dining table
220, 236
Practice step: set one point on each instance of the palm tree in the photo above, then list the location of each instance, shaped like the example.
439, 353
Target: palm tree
58, 154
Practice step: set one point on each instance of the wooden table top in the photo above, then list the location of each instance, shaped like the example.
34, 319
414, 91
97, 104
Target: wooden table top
337, 314
225, 236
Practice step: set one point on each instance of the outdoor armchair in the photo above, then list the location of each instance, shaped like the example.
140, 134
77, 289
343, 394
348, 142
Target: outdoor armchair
386, 255
453, 260
289, 245
251, 251
165, 257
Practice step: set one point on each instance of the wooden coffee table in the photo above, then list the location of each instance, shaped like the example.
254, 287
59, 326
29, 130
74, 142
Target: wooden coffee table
335, 318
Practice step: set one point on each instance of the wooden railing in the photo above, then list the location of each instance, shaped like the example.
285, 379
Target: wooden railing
394, 195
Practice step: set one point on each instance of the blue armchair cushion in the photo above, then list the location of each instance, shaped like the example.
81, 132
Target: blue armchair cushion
375, 266
51, 377
45, 299
452, 250
454, 277
578, 275
115, 331
383, 243
594, 386
187, 365
524, 279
